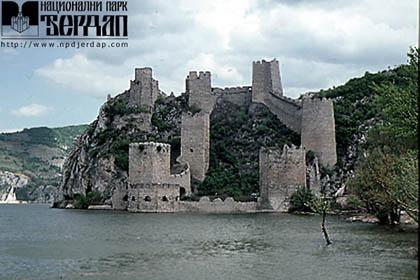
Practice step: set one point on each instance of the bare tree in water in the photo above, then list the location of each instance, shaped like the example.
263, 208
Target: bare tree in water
321, 205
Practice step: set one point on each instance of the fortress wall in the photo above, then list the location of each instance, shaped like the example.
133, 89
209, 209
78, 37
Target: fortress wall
281, 173
241, 96
267, 89
195, 143
318, 129
217, 206
149, 163
120, 198
182, 179
287, 111
153, 197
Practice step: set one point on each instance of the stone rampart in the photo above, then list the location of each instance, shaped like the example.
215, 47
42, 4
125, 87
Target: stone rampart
217, 206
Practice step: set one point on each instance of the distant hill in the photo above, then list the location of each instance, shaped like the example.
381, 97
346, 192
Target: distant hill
37, 153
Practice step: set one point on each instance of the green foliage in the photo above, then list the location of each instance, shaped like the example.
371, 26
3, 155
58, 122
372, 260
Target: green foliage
356, 101
371, 184
117, 145
167, 113
119, 107
301, 200
354, 202
161, 120
398, 108
65, 136
223, 182
326, 170
386, 181
51, 137
320, 204
91, 198
119, 149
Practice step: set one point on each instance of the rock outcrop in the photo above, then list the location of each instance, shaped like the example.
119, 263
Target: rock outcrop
9, 184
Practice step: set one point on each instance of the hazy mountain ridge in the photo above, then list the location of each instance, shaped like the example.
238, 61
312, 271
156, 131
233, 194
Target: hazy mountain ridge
38, 155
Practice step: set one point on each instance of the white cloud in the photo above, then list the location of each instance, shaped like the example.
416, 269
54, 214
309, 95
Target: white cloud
32, 110
86, 76
318, 43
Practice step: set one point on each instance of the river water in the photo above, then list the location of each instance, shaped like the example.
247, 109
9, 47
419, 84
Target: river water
41, 243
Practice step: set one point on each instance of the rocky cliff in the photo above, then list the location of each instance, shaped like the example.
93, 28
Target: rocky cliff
99, 161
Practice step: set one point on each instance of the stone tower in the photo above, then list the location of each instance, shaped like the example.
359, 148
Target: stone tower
265, 79
144, 90
318, 129
149, 163
150, 187
195, 143
282, 172
198, 87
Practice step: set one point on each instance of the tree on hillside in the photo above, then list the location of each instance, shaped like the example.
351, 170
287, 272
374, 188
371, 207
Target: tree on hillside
386, 180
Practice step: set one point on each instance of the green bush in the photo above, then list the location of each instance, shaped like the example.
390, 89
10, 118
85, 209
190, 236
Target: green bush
82, 201
301, 200
354, 202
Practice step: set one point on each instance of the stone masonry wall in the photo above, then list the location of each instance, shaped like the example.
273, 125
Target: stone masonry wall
241, 96
195, 143
318, 129
217, 206
281, 173
288, 111
149, 163
153, 197
183, 179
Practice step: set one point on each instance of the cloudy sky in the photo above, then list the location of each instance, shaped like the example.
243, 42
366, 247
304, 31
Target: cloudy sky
319, 44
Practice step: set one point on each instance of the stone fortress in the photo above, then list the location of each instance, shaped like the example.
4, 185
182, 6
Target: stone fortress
152, 187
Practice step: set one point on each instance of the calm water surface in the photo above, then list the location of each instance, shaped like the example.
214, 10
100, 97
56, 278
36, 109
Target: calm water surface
41, 243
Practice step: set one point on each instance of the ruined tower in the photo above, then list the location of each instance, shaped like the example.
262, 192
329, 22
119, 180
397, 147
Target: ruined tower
195, 143
144, 90
318, 129
282, 172
265, 79
198, 87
